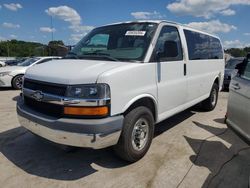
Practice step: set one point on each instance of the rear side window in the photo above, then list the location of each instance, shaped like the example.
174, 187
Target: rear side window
201, 46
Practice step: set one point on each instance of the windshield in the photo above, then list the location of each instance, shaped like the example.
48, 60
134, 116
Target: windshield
122, 42
231, 64
28, 62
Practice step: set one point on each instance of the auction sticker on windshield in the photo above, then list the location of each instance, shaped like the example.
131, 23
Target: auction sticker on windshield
135, 33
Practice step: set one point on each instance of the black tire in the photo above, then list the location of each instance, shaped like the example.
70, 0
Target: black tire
126, 144
210, 103
16, 82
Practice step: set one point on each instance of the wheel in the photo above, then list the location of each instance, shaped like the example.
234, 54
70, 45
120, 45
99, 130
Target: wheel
17, 82
210, 103
137, 134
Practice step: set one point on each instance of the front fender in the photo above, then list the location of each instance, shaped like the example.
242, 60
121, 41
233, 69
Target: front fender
132, 101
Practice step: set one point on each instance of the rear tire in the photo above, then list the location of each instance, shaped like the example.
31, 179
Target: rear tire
137, 134
17, 82
210, 103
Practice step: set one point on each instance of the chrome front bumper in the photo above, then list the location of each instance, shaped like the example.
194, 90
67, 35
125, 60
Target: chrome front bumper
96, 133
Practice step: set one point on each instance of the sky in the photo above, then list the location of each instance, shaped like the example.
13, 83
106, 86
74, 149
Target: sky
70, 20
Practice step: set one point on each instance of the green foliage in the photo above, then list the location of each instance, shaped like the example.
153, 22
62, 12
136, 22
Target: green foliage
238, 52
56, 42
15, 48
57, 48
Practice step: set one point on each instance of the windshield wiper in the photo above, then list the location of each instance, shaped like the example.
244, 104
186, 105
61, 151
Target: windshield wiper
71, 55
98, 55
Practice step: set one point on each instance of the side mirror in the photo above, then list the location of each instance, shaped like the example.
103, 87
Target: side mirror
241, 66
158, 56
238, 66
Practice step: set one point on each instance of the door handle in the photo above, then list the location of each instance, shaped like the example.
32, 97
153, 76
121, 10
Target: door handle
185, 69
236, 86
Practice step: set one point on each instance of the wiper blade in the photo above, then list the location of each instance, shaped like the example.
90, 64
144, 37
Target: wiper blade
71, 55
98, 55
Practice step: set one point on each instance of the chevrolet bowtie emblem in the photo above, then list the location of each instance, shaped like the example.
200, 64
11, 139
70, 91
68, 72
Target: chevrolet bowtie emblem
37, 95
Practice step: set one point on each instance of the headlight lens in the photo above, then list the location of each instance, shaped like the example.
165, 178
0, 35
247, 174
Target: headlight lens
4, 73
89, 91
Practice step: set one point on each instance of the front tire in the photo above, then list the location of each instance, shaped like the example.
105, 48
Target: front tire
17, 82
210, 103
137, 134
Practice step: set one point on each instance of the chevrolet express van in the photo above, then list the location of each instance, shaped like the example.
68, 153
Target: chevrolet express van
118, 82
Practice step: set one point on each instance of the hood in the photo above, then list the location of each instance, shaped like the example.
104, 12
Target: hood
69, 71
13, 68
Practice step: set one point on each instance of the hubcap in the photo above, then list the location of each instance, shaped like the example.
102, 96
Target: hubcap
19, 82
214, 97
140, 134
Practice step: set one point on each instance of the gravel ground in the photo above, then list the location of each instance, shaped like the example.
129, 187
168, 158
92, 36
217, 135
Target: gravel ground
191, 149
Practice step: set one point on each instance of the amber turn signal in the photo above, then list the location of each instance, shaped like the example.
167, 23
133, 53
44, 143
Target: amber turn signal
86, 111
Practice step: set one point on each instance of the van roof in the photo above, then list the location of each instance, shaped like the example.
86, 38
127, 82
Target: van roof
165, 21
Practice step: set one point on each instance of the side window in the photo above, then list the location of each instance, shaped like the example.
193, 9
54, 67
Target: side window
168, 46
246, 73
202, 46
97, 42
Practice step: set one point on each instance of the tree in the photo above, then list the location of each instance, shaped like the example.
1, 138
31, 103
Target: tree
236, 52
57, 48
17, 48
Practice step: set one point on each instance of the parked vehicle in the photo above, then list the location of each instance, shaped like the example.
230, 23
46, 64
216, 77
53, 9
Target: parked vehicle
2, 64
11, 76
238, 110
14, 62
229, 69
118, 82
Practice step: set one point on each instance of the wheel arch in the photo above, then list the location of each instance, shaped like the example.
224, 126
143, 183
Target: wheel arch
146, 100
217, 80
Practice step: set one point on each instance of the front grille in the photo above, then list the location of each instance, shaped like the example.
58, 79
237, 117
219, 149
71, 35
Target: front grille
50, 88
44, 108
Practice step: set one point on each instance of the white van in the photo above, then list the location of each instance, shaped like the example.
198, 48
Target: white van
118, 82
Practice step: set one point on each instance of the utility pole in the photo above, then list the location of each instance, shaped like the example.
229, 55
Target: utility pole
8, 49
52, 29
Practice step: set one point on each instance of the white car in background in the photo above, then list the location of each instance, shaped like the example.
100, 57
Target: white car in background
11, 76
2, 64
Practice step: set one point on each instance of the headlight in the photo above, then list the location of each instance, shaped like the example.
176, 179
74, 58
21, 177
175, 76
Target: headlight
4, 73
89, 91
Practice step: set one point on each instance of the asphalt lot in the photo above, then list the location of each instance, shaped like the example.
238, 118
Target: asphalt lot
191, 149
